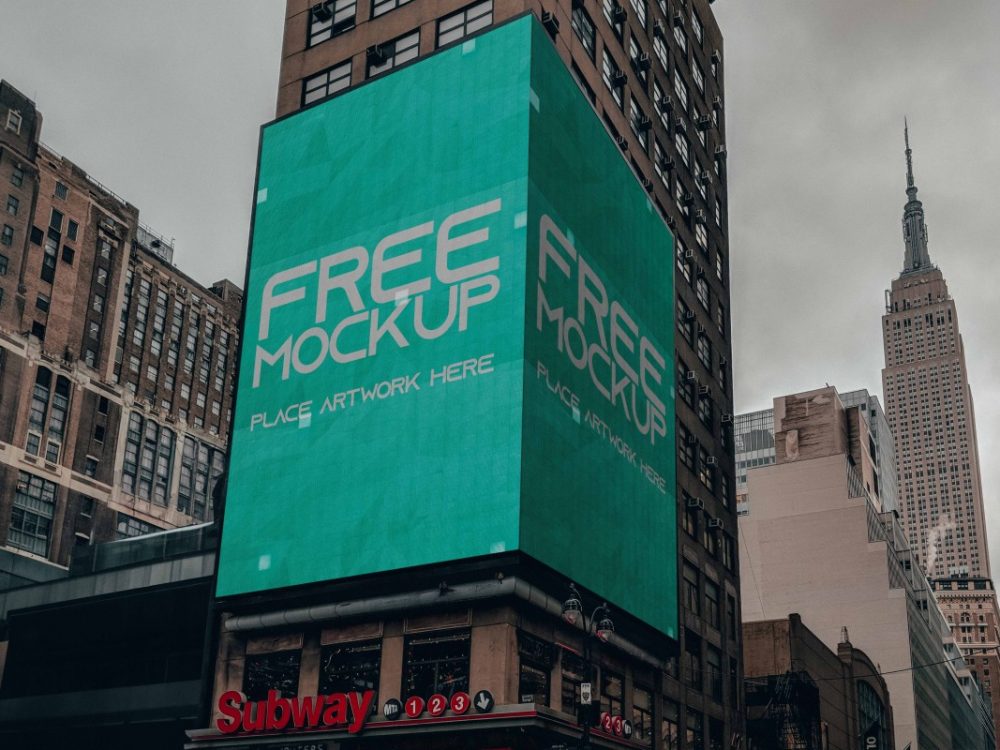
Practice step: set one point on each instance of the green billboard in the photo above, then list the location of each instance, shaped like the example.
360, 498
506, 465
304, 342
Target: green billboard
458, 337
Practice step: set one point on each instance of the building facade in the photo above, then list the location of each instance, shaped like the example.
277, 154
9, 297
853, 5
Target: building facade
653, 74
801, 693
930, 410
115, 367
817, 505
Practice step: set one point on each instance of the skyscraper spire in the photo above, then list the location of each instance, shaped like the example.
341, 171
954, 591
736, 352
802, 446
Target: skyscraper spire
914, 231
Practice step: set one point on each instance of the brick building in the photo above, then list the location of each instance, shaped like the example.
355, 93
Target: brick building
115, 367
653, 73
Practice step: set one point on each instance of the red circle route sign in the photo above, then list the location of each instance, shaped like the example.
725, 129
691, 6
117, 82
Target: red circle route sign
460, 703
437, 704
414, 706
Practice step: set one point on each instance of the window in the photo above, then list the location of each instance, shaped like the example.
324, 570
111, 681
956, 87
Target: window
102, 276
706, 468
614, 79
713, 612
660, 50
699, 76
705, 410
436, 664
87, 506
536, 667
68, 254
379, 7
640, 11
681, 90
14, 121
681, 38
467, 21
201, 468
98, 303
614, 14
61, 191
685, 387
327, 19
642, 716
702, 292
17, 177
349, 667
639, 62
695, 732
327, 82
731, 616
612, 692
701, 234
7, 237
697, 27
148, 461
683, 148
692, 660
12, 205
38, 330
3, 264
392, 54
686, 445
574, 671
275, 671
670, 727
640, 123
691, 590
71, 230
713, 665
31, 514
583, 27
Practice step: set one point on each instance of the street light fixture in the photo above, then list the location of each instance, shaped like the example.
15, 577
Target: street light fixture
599, 627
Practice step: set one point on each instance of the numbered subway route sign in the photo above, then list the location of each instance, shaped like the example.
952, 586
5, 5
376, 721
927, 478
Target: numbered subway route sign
437, 705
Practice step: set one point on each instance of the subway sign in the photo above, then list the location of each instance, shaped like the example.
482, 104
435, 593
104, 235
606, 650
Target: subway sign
458, 337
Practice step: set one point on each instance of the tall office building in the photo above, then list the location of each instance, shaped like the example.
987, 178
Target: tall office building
930, 410
367, 92
115, 366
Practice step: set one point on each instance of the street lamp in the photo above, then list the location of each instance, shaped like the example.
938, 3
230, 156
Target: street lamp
599, 627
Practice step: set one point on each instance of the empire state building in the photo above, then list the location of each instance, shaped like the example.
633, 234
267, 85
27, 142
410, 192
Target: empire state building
929, 407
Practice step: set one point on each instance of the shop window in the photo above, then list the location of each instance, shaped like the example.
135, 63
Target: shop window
612, 692
574, 671
536, 668
436, 664
275, 671
350, 667
642, 716
670, 727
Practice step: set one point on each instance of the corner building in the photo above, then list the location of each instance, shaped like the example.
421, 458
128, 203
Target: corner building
115, 366
636, 184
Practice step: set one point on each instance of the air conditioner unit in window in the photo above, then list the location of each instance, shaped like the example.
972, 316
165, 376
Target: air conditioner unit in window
716, 56
690, 375
680, 125
377, 54
727, 418
672, 222
678, 19
716, 523
696, 502
618, 14
701, 328
704, 177
704, 122
720, 152
688, 315
643, 62
550, 22
711, 461
665, 103
700, 217
619, 78
703, 390
717, 102
723, 360
689, 254
660, 28
323, 11
621, 142
643, 124
667, 163
687, 199
647, 183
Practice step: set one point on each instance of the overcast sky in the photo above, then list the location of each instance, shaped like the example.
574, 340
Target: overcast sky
161, 102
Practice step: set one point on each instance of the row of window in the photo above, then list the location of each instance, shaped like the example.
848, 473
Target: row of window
387, 55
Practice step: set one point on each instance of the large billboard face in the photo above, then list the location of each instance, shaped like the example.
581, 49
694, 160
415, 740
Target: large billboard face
392, 410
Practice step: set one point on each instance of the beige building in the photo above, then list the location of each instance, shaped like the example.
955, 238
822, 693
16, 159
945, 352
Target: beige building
115, 367
817, 540
930, 410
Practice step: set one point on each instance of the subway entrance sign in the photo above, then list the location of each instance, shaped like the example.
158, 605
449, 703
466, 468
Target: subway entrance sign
458, 337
